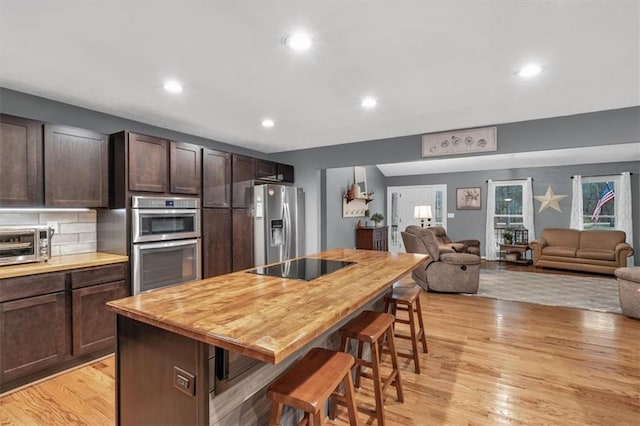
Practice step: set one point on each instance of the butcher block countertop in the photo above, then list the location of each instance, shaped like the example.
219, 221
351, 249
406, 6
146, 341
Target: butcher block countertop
61, 263
269, 318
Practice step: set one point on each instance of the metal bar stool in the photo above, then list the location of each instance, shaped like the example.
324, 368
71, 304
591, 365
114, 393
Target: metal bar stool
309, 383
372, 327
407, 299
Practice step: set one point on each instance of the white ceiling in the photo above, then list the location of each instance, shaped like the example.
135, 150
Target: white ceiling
433, 66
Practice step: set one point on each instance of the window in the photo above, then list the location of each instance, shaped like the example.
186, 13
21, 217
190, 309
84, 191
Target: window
592, 189
508, 212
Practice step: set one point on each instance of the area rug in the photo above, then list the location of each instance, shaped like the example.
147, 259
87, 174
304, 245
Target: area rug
591, 293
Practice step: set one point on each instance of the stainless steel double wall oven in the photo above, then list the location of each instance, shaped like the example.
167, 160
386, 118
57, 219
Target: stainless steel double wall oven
165, 241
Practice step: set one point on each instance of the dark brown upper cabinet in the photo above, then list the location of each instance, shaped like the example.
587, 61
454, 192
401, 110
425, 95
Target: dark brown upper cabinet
242, 173
184, 165
148, 163
20, 162
154, 165
284, 172
216, 178
265, 169
76, 167
271, 171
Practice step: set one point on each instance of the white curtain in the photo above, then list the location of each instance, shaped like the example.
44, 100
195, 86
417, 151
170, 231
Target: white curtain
577, 218
527, 208
622, 201
490, 239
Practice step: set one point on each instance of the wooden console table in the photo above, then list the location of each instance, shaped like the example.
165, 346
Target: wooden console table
372, 238
520, 249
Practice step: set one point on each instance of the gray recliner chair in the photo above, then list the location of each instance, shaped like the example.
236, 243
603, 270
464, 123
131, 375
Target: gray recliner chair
443, 272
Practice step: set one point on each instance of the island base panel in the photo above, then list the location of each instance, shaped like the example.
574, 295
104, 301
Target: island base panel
162, 377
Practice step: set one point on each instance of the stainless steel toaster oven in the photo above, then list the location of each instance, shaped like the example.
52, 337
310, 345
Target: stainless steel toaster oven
25, 244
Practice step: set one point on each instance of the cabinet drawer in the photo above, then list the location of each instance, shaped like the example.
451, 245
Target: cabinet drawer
98, 275
31, 285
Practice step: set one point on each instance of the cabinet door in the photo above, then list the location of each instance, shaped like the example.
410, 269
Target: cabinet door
216, 178
184, 160
216, 241
33, 335
76, 167
93, 323
242, 237
147, 163
242, 174
265, 169
284, 172
20, 162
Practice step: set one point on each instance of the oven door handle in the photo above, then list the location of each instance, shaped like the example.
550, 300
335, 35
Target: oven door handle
145, 246
164, 212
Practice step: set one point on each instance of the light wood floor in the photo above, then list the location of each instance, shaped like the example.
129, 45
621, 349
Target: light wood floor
490, 362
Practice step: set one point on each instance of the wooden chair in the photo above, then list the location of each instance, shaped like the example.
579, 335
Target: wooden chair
407, 299
372, 328
309, 384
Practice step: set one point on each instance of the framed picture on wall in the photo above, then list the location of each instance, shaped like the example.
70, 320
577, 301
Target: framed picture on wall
468, 198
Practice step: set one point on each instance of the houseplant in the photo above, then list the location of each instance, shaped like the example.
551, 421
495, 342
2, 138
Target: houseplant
377, 218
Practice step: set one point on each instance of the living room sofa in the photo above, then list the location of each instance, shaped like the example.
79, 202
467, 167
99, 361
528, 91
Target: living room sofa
598, 251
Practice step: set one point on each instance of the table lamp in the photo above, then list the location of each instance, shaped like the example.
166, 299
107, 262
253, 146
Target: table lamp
422, 212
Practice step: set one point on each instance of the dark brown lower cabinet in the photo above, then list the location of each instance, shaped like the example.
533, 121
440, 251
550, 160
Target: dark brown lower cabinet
49, 322
34, 333
93, 324
242, 239
216, 242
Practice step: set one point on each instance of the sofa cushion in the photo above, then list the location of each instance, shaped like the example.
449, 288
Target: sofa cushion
457, 247
440, 234
561, 251
460, 259
596, 254
602, 240
563, 237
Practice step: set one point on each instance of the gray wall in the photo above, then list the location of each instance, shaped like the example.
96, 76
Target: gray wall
592, 129
471, 223
41, 109
340, 231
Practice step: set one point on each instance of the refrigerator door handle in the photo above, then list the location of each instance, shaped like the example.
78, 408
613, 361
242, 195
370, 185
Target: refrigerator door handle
287, 231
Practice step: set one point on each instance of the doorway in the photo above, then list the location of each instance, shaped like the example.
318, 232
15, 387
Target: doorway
401, 201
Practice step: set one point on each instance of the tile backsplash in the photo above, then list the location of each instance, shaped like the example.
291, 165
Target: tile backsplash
76, 230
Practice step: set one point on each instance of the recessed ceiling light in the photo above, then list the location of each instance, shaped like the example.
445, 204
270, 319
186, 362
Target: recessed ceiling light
267, 122
172, 86
529, 70
298, 41
368, 102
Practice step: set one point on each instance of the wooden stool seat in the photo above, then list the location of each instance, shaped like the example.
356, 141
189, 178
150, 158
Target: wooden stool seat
408, 299
372, 328
311, 382
368, 326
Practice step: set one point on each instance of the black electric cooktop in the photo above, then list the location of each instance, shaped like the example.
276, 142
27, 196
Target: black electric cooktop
302, 269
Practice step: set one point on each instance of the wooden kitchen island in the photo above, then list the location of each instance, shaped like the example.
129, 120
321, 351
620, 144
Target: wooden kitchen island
164, 338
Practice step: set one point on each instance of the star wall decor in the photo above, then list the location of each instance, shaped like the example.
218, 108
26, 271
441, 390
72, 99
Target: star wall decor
549, 200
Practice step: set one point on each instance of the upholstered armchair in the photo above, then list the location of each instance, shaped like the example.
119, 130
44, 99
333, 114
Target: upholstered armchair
445, 243
443, 271
414, 244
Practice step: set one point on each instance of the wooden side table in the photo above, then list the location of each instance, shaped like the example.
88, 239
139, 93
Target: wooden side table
372, 238
520, 249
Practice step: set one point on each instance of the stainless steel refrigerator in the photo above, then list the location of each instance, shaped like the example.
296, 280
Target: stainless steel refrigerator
279, 223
